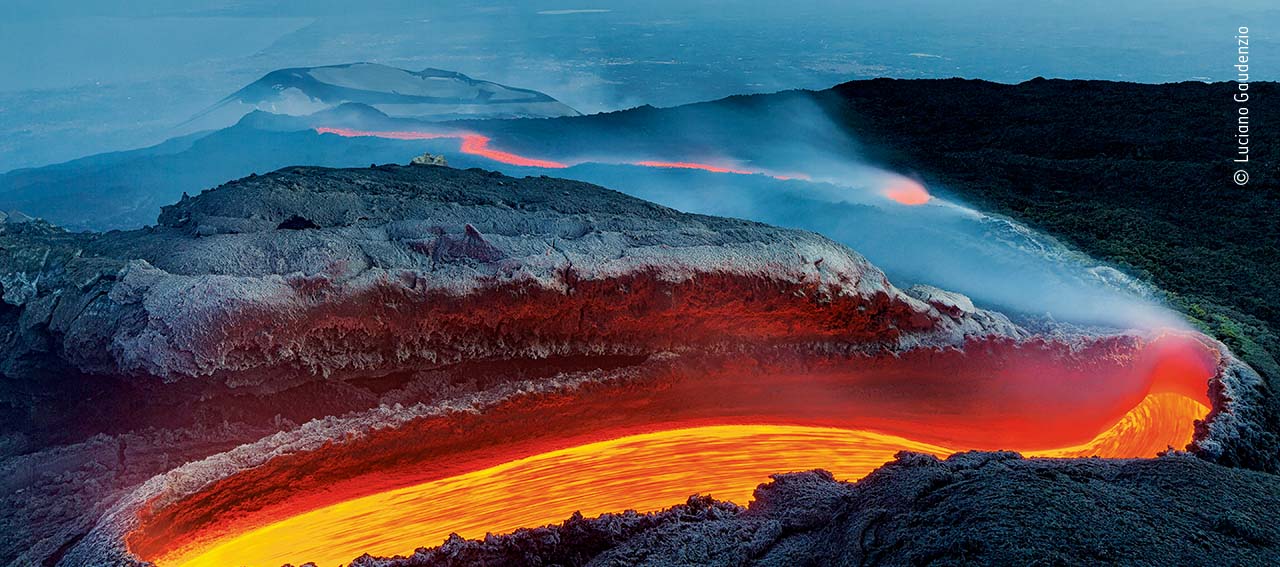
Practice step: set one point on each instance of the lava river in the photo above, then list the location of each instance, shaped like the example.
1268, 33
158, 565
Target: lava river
643, 472
549, 347
538, 458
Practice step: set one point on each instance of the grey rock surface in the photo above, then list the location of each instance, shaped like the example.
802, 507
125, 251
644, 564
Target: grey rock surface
429, 159
244, 282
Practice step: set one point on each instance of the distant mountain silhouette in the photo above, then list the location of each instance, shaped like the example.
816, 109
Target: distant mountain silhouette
429, 94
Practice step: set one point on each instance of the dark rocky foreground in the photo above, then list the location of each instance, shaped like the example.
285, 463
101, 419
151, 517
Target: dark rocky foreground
971, 509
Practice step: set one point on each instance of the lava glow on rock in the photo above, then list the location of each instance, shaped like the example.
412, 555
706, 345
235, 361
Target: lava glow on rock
532, 462
907, 192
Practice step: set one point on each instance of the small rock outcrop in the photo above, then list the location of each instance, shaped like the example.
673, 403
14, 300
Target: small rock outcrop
429, 158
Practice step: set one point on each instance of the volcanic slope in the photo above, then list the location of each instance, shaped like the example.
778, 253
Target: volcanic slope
363, 331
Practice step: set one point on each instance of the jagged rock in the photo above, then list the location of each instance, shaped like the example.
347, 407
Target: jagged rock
296, 222
14, 217
429, 159
948, 302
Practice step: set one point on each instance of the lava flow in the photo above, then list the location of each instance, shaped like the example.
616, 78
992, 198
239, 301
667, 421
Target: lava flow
643, 472
715, 168
629, 381
721, 431
473, 144
478, 145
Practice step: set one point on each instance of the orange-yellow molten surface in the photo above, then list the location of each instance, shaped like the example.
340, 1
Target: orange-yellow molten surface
643, 472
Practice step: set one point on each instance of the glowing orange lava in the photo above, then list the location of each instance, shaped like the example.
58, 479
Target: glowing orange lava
644, 472
716, 423
649, 443
478, 145
907, 192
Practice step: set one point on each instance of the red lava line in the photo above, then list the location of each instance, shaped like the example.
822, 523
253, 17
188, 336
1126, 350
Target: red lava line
693, 165
478, 145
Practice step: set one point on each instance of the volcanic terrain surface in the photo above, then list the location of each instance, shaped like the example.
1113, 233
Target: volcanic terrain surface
368, 360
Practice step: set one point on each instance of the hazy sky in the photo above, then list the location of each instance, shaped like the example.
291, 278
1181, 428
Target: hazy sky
86, 76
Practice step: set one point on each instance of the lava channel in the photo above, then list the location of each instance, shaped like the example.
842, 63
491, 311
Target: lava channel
718, 426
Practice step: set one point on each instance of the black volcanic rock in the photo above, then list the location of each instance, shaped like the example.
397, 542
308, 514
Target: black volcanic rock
970, 509
1139, 176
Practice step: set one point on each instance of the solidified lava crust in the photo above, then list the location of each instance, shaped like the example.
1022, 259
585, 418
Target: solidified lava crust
417, 266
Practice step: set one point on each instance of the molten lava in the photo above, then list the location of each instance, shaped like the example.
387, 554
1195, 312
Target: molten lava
718, 427
681, 385
644, 472
478, 145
